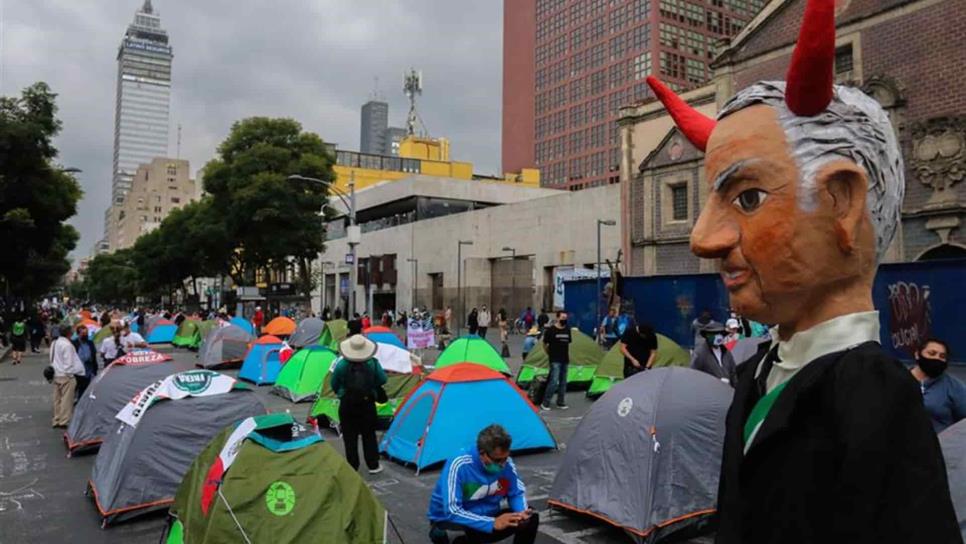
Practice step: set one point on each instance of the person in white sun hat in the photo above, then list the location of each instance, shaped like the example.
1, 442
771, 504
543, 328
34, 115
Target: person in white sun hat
357, 380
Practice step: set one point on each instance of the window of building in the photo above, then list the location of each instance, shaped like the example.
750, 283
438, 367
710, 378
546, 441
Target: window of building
175, 200
172, 170
843, 59
642, 65
679, 202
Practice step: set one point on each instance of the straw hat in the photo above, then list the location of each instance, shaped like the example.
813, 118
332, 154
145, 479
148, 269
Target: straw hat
357, 348
533, 331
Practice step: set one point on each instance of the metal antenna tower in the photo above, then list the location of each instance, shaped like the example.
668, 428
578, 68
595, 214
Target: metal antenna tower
412, 86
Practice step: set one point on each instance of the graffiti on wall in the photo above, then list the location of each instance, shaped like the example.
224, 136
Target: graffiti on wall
910, 319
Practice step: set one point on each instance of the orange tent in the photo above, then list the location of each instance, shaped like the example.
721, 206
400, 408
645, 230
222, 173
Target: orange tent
280, 326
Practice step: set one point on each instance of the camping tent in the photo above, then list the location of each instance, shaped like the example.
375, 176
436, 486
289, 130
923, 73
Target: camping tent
446, 411
383, 335
585, 355
204, 328
611, 369
334, 332
280, 326
261, 364
161, 430
223, 346
953, 443
109, 392
402, 376
472, 349
187, 334
307, 486
307, 333
243, 324
646, 456
160, 331
301, 377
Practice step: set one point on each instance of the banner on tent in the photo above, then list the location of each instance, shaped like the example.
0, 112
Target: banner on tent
420, 334
193, 383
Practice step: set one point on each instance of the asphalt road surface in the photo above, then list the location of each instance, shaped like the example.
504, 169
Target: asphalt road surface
42, 491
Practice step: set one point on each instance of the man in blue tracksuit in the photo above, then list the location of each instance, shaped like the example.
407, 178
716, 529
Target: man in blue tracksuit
480, 494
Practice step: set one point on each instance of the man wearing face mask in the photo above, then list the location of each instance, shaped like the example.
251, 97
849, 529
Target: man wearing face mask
470, 493
943, 395
711, 356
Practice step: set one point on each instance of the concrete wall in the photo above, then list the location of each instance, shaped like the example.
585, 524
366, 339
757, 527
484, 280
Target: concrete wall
546, 232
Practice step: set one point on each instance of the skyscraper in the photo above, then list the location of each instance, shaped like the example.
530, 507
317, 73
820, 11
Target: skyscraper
569, 65
372, 133
142, 104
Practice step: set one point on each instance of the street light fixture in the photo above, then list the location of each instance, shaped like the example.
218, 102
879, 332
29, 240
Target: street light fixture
459, 283
353, 234
415, 279
513, 277
72, 170
600, 223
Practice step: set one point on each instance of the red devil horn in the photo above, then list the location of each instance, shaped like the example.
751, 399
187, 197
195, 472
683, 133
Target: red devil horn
808, 88
695, 125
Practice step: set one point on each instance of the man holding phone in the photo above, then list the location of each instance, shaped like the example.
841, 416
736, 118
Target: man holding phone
480, 494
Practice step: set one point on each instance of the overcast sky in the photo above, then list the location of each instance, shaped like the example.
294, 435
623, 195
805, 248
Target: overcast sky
313, 60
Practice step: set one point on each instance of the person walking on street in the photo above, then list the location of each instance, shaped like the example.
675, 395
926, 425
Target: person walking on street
943, 395
447, 320
88, 356
543, 319
556, 341
18, 339
480, 494
484, 319
258, 319
639, 346
357, 380
66, 365
473, 321
111, 347
712, 357
36, 332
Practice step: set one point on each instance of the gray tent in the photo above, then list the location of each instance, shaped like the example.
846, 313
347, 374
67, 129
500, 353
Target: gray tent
224, 346
94, 414
308, 332
138, 469
953, 442
646, 457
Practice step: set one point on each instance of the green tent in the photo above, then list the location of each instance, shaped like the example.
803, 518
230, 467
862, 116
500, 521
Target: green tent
325, 411
187, 334
472, 349
611, 369
334, 332
278, 487
585, 355
301, 377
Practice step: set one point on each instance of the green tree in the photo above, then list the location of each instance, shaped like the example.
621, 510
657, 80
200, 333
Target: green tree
271, 220
36, 195
112, 278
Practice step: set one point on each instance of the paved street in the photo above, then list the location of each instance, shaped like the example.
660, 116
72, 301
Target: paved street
42, 491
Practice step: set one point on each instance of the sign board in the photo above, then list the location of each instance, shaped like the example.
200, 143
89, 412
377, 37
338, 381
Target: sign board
420, 334
568, 273
281, 289
350, 258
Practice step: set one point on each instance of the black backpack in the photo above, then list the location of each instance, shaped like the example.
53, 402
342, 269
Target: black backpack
359, 382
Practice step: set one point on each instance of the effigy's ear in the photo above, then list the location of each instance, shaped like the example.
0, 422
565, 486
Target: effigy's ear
844, 185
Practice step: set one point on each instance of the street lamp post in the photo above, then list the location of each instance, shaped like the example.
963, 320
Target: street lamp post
353, 234
459, 283
513, 277
600, 223
415, 279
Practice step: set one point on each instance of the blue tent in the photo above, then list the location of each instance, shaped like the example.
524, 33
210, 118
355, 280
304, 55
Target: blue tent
261, 365
245, 324
382, 335
443, 415
161, 331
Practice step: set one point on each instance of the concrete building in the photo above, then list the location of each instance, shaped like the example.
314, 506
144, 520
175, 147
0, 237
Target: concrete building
158, 188
142, 103
904, 54
569, 65
424, 218
394, 138
376, 137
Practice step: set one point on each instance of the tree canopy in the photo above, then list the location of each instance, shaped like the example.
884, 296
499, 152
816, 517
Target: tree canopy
36, 195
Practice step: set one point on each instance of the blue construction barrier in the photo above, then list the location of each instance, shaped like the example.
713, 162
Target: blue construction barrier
915, 301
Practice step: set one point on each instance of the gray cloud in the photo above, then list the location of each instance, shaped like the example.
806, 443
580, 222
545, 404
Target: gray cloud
313, 60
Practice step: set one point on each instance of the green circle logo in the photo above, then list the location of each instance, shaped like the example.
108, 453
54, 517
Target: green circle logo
194, 381
280, 498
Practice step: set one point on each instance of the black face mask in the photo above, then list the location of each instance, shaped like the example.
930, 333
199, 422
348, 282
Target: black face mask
931, 367
563, 322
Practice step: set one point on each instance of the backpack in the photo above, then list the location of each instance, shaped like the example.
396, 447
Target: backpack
359, 381
538, 389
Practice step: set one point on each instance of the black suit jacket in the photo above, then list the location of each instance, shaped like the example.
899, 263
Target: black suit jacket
705, 361
847, 455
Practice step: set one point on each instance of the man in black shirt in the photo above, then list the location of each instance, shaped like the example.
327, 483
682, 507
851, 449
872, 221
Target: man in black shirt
556, 341
639, 346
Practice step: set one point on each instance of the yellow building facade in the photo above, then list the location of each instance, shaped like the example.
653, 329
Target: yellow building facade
417, 156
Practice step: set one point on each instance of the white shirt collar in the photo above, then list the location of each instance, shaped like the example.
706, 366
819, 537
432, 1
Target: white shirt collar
837, 334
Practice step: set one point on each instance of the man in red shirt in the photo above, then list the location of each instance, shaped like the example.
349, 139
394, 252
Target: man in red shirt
258, 319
